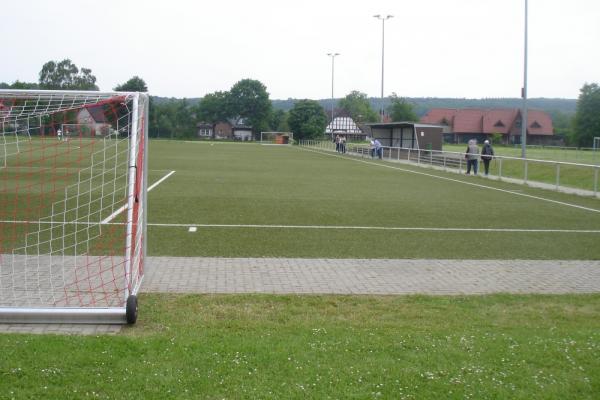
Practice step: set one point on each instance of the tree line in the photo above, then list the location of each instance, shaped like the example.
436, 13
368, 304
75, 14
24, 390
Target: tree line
248, 100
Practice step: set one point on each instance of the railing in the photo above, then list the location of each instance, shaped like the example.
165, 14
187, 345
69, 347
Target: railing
558, 175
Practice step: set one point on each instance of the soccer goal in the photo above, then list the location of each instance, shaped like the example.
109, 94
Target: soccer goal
72, 212
276, 138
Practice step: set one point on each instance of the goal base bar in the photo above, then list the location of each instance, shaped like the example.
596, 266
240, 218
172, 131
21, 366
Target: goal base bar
108, 315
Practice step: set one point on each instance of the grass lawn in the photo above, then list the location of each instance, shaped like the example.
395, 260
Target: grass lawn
574, 176
586, 156
297, 347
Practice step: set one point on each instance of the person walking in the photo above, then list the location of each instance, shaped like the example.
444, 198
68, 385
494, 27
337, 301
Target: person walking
472, 156
487, 154
378, 148
337, 143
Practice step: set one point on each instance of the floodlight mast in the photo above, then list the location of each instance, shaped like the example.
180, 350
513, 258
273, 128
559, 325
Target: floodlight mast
524, 94
383, 19
332, 55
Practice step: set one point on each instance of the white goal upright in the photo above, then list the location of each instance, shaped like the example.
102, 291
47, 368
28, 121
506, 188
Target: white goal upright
73, 183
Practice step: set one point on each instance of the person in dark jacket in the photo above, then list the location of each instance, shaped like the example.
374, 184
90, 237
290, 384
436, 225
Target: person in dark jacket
487, 154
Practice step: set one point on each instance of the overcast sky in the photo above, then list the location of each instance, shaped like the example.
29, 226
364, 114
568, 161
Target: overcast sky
433, 48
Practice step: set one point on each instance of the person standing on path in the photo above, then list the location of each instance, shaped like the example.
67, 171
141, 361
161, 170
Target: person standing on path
472, 156
487, 154
378, 148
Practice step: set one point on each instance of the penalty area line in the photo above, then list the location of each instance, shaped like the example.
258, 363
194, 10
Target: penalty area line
124, 207
330, 227
378, 228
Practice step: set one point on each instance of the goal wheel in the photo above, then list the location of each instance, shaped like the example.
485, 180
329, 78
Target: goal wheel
131, 310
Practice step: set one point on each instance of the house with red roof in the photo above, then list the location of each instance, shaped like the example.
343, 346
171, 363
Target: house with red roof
90, 121
473, 123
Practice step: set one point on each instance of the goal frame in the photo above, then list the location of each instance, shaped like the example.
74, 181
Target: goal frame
136, 206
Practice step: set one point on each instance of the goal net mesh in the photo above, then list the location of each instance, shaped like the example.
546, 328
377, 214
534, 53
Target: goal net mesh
72, 212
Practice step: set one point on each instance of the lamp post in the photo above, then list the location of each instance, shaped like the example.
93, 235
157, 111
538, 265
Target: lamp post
383, 19
524, 95
332, 55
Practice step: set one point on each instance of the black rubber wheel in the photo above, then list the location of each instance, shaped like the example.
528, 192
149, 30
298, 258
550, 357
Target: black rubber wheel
131, 310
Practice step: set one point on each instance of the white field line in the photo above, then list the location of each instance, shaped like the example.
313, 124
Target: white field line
378, 228
120, 210
331, 227
212, 142
562, 203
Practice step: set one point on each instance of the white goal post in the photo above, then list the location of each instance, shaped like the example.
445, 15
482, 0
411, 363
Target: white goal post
72, 212
276, 138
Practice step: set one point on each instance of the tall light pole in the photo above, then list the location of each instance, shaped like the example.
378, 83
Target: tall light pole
332, 55
383, 19
524, 95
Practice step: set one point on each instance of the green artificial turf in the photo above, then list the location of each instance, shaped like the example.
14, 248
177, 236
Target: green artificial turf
249, 184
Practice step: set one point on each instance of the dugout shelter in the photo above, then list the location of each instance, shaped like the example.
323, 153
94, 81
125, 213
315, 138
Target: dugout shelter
408, 135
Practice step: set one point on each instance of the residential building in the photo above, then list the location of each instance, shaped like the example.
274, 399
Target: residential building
232, 129
464, 124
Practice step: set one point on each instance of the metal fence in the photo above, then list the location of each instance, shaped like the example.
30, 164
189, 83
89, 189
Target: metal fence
562, 176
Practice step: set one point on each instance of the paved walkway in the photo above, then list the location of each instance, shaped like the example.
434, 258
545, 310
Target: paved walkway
374, 276
349, 276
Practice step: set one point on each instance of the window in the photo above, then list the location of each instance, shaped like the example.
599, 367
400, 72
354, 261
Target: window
499, 124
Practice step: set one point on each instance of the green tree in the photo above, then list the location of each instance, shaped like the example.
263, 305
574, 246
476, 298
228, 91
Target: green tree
401, 110
135, 84
586, 124
249, 99
496, 138
307, 119
279, 122
174, 119
65, 75
358, 106
19, 85
563, 124
213, 108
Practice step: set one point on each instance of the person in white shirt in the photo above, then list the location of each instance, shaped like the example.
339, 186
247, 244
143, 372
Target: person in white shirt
378, 148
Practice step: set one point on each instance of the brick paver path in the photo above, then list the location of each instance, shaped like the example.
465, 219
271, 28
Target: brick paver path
375, 276
335, 276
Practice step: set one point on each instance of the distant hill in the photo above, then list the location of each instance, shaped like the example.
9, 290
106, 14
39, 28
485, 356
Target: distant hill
161, 100
423, 104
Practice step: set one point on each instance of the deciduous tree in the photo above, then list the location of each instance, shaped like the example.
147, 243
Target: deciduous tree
401, 110
307, 119
358, 106
249, 99
65, 75
135, 84
213, 108
587, 117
